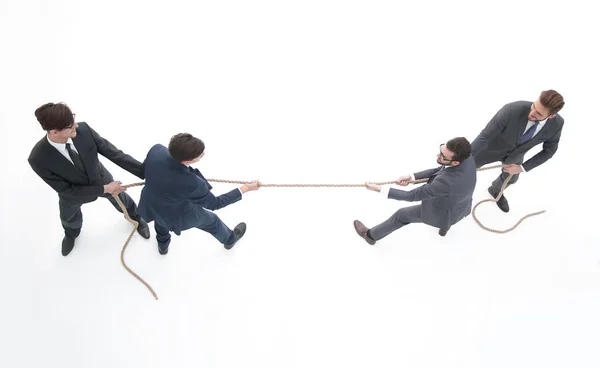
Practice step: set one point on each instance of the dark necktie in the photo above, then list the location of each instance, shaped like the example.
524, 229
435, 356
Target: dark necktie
76, 158
529, 133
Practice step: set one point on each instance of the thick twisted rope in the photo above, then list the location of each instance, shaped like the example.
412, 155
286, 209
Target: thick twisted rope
135, 226
496, 200
328, 185
135, 223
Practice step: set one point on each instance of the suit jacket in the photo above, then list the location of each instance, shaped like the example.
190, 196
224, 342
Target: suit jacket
176, 196
447, 196
68, 181
499, 140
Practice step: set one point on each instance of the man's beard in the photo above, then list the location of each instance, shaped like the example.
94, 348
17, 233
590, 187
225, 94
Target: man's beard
443, 164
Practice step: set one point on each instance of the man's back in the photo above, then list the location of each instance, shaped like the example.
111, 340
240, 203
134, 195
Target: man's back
461, 181
448, 197
174, 194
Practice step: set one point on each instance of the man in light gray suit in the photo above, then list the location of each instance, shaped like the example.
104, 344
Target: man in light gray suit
514, 130
446, 198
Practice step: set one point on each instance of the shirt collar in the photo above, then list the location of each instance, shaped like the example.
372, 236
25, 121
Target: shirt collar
542, 122
59, 146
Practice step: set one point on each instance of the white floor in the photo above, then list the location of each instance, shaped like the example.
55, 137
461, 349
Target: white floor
303, 92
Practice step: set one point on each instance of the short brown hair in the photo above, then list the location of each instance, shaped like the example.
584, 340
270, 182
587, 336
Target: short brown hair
460, 147
54, 116
185, 147
552, 100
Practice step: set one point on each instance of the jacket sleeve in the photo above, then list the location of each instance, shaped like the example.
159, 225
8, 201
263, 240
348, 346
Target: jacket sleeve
426, 173
203, 196
62, 186
123, 160
549, 149
437, 188
493, 128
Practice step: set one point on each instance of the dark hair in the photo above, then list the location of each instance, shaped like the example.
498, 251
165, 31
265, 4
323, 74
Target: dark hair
552, 100
185, 147
54, 116
460, 147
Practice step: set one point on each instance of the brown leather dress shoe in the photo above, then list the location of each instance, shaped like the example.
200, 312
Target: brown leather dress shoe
362, 231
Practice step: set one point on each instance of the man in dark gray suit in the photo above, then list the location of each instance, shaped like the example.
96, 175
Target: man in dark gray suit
446, 198
515, 129
67, 160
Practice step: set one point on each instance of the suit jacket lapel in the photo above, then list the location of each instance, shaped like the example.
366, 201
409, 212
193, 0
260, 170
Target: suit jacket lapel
523, 119
60, 163
78, 145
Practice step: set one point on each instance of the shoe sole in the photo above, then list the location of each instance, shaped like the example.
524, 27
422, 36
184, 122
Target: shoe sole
228, 247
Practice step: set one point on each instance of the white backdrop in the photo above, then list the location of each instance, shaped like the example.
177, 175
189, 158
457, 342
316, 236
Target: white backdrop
302, 92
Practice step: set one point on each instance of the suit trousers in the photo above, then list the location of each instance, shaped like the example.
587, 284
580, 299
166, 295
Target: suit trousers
72, 218
497, 183
209, 222
403, 216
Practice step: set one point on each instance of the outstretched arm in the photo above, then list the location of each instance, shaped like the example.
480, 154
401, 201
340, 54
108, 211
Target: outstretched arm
123, 160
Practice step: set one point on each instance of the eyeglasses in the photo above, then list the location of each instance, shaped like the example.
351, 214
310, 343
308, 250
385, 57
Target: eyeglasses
442, 155
70, 126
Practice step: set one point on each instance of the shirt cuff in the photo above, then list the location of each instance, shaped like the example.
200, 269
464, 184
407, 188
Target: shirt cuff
385, 191
522, 168
241, 194
412, 176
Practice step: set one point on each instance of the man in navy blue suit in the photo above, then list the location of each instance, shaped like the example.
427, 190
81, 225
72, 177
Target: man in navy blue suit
176, 196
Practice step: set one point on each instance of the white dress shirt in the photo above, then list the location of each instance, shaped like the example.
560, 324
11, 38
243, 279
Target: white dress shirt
62, 148
539, 127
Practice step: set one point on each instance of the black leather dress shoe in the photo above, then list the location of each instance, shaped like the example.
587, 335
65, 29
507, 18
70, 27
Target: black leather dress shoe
143, 228
67, 245
502, 202
443, 232
238, 232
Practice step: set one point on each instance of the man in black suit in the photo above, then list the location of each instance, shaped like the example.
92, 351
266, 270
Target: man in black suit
67, 160
515, 129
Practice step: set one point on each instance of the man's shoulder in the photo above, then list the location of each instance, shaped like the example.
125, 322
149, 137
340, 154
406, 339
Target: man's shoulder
158, 149
467, 167
518, 105
84, 132
158, 146
38, 151
559, 119
83, 126
157, 155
